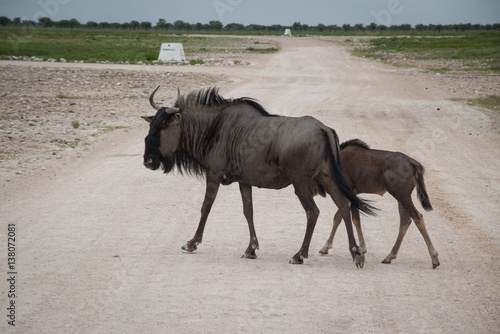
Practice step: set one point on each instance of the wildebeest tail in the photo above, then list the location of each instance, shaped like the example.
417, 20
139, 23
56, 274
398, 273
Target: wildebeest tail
421, 191
333, 152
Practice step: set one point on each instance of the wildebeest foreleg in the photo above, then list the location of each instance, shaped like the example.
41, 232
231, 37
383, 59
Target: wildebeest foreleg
210, 194
246, 197
343, 205
303, 192
404, 223
336, 222
337, 219
356, 220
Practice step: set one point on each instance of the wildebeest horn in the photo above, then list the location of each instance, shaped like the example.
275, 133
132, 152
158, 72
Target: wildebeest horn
153, 104
179, 98
172, 110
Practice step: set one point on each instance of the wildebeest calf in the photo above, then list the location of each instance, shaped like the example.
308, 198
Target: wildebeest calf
376, 172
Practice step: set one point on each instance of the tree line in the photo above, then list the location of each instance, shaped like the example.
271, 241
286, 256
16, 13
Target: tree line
179, 25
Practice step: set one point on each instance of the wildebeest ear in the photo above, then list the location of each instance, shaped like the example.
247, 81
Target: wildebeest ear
177, 117
147, 118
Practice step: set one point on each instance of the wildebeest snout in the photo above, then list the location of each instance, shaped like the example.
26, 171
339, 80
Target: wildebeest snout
150, 163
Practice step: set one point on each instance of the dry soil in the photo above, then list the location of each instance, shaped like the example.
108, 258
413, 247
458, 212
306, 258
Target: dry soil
98, 236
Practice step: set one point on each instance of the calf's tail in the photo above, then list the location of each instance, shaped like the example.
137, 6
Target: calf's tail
333, 152
421, 190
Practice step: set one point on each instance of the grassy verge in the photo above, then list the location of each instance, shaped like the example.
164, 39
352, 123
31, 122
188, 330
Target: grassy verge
491, 102
474, 51
114, 45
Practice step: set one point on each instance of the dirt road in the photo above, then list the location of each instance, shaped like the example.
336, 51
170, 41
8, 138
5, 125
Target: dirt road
98, 236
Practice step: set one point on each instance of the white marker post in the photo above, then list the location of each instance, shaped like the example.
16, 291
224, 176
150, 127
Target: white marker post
171, 52
288, 32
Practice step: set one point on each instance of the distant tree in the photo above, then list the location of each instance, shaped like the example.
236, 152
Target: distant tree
372, 26
73, 23
256, 27
115, 25
16, 21
29, 23
5, 21
358, 27
215, 25
45, 22
420, 27
146, 25
65, 24
321, 27
134, 25
346, 27
404, 27
161, 24
278, 27
467, 26
179, 25
297, 26
91, 25
103, 25
234, 27
334, 27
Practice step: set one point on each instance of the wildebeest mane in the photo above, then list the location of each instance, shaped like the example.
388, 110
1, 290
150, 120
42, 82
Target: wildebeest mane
198, 135
354, 142
210, 100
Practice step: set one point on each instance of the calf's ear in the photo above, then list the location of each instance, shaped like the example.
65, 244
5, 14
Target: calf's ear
147, 118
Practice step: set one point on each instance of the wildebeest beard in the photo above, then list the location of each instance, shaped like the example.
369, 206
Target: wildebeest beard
184, 163
168, 163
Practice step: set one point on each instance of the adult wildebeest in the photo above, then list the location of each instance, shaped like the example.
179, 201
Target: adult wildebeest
376, 172
237, 140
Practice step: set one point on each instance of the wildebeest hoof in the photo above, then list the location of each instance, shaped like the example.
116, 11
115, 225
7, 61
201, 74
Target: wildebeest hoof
359, 260
247, 256
385, 261
323, 251
300, 260
187, 249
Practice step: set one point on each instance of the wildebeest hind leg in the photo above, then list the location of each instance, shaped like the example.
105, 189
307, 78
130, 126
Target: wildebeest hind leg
419, 221
343, 205
210, 194
246, 197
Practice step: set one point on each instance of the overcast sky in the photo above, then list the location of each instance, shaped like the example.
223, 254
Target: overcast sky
265, 12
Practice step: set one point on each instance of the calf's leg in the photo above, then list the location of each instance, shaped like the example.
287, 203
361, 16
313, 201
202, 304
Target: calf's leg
404, 223
337, 219
303, 192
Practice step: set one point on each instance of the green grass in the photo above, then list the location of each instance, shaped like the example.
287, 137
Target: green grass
491, 102
477, 51
111, 45
106, 129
